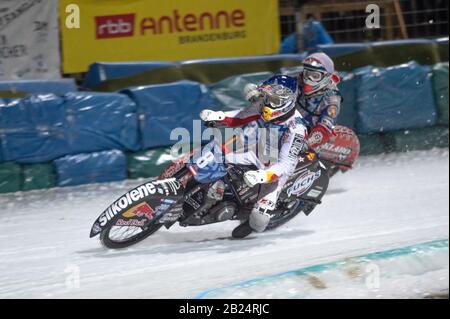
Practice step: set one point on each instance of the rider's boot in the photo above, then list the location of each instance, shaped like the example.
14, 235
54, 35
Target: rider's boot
258, 221
242, 231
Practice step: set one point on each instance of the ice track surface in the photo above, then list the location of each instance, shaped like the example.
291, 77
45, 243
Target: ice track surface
386, 202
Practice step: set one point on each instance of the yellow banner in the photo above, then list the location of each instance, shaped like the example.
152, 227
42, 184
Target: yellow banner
165, 30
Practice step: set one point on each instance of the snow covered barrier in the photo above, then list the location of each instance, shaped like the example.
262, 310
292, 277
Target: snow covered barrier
395, 98
348, 112
164, 107
32, 129
148, 163
100, 121
10, 177
389, 53
440, 86
395, 273
105, 71
420, 139
97, 167
372, 144
38, 176
43, 127
1, 153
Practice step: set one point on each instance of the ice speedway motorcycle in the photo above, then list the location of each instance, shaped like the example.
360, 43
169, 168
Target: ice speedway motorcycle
202, 192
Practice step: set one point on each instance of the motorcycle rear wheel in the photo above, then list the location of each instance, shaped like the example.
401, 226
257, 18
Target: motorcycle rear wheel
282, 218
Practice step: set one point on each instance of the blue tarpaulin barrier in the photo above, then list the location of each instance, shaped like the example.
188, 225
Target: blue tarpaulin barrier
1, 152
58, 87
165, 107
100, 167
246, 59
402, 42
40, 128
32, 129
395, 98
289, 45
101, 121
103, 71
348, 112
346, 48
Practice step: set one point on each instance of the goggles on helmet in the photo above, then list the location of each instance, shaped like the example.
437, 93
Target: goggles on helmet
278, 100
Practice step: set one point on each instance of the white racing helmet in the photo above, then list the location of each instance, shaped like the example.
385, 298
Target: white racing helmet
318, 70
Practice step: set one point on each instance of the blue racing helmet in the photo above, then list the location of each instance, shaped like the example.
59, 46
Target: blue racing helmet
279, 96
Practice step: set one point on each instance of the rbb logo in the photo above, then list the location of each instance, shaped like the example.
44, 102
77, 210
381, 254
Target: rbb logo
115, 26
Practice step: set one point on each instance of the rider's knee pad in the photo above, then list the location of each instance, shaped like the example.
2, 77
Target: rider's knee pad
259, 219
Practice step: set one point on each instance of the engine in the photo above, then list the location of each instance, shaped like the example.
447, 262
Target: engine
206, 206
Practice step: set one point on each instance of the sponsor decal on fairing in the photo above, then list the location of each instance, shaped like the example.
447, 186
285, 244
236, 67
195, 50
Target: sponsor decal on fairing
314, 193
303, 182
162, 187
140, 210
169, 218
335, 152
266, 204
96, 228
336, 148
164, 206
192, 202
131, 222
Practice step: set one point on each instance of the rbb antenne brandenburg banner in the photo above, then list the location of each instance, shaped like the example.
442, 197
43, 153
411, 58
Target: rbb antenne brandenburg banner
170, 30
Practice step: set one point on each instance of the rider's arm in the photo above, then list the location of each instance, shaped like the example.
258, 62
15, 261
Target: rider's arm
233, 118
323, 130
332, 100
241, 117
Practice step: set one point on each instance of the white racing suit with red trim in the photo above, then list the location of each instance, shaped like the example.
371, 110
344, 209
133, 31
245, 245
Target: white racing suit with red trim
290, 142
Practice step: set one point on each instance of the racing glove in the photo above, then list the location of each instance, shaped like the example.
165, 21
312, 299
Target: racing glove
251, 178
209, 116
319, 135
251, 92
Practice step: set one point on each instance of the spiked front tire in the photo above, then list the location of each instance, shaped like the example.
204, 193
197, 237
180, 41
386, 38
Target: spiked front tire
108, 242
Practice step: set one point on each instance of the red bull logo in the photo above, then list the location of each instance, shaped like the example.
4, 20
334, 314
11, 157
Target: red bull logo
140, 210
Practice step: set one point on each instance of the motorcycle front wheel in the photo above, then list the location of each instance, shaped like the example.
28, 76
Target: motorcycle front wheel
117, 237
